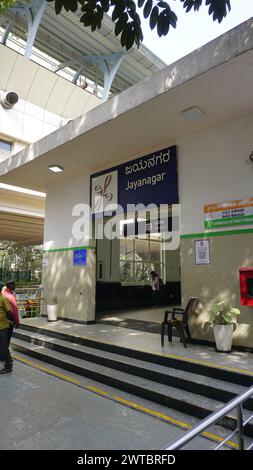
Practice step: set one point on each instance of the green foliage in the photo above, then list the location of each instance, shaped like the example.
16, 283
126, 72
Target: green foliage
54, 300
5, 4
222, 313
22, 257
127, 20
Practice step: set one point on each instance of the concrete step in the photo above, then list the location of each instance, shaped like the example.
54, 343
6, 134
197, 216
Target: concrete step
194, 383
178, 364
176, 423
193, 404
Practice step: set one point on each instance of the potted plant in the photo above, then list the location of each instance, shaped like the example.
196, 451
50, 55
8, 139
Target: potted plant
52, 309
222, 316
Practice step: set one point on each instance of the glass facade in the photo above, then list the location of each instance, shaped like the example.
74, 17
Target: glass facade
139, 256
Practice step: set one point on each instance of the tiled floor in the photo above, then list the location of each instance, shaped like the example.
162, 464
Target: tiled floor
154, 315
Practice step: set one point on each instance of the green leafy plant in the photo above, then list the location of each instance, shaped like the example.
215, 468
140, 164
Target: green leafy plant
5, 4
126, 17
53, 300
222, 313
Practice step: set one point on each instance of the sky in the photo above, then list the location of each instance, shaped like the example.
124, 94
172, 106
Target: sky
193, 29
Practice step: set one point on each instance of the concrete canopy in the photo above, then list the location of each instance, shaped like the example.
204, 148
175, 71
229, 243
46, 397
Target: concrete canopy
217, 78
21, 216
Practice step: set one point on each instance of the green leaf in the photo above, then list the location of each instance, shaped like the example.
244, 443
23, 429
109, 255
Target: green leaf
160, 25
118, 10
130, 39
100, 14
120, 25
58, 6
105, 5
173, 19
154, 17
71, 5
123, 36
147, 8
163, 24
86, 19
163, 5
235, 311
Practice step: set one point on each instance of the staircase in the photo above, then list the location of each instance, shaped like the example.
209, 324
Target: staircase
191, 388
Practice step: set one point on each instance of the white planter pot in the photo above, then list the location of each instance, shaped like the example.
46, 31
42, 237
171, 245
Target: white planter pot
52, 311
223, 337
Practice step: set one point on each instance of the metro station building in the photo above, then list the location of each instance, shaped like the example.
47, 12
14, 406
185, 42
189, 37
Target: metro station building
181, 138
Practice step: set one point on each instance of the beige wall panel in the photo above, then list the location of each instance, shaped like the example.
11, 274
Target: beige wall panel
212, 168
42, 87
8, 58
60, 94
218, 281
22, 76
74, 286
60, 201
79, 102
92, 102
172, 265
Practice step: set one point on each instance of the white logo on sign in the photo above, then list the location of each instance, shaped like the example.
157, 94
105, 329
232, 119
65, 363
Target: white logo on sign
104, 192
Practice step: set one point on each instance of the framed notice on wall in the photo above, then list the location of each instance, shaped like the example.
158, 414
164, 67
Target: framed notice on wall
79, 257
202, 252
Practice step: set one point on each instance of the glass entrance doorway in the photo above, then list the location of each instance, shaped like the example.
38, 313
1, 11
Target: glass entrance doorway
124, 265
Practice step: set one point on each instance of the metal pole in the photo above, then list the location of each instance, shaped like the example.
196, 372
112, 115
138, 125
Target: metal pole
240, 427
211, 419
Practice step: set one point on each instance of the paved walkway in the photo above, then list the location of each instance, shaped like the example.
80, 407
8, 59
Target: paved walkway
42, 412
236, 361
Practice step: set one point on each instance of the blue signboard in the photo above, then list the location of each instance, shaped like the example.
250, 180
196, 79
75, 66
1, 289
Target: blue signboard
79, 257
151, 179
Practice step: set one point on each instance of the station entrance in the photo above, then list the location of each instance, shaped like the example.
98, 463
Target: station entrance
124, 292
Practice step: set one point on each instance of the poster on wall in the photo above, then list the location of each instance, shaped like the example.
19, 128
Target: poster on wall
229, 214
151, 179
79, 257
202, 252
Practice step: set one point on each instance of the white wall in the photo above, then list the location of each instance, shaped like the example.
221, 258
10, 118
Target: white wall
27, 123
60, 200
212, 169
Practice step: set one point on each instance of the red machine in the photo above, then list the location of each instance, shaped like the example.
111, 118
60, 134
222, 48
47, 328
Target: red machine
246, 285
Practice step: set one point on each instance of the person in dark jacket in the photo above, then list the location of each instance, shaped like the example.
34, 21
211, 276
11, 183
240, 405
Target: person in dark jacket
155, 286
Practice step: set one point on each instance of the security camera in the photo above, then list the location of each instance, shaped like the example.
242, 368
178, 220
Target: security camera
8, 99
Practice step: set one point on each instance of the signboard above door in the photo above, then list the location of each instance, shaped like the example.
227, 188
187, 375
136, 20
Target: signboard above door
151, 179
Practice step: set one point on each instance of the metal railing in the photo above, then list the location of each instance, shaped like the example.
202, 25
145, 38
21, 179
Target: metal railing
235, 403
29, 301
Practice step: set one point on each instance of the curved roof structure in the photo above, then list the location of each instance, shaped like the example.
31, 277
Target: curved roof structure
64, 38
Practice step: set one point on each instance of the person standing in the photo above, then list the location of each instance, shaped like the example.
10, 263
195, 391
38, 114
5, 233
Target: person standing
5, 313
155, 285
9, 293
